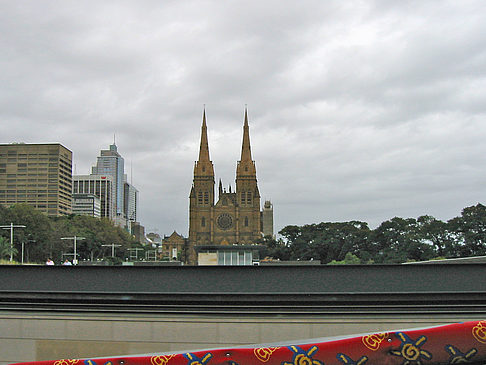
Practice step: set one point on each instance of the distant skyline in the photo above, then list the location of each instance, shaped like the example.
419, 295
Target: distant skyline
358, 110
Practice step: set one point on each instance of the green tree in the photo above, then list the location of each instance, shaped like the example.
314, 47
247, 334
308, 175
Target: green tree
37, 231
271, 247
6, 249
327, 241
469, 231
349, 259
436, 232
398, 240
96, 232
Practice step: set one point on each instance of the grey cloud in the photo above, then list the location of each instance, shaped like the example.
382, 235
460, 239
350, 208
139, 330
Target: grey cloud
358, 110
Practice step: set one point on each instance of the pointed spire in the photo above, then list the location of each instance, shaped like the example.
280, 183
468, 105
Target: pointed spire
245, 148
204, 147
246, 166
220, 187
204, 166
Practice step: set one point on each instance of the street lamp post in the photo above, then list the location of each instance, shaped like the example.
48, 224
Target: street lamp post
23, 243
11, 227
136, 249
74, 238
112, 248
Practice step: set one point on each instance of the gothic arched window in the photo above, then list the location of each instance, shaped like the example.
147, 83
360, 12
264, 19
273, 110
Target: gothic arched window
248, 197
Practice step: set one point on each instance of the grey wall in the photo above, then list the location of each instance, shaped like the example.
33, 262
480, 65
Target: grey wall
34, 336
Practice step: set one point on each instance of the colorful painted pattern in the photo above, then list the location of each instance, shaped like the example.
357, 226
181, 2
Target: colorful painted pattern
451, 344
411, 351
303, 357
374, 341
264, 353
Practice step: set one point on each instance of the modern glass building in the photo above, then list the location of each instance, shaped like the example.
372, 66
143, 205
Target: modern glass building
111, 163
130, 202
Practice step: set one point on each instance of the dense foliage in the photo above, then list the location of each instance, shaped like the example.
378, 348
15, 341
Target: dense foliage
42, 236
393, 241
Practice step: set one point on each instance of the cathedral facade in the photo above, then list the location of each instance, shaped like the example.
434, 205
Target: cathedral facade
234, 218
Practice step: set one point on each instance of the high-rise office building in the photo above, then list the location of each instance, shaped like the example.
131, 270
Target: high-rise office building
100, 186
87, 204
37, 174
111, 163
130, 202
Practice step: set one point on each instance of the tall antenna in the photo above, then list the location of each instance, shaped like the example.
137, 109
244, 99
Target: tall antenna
131, 172
114, 138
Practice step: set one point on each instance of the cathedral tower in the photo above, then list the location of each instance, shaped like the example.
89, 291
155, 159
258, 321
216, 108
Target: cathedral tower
201, 198
235, 219
247, 194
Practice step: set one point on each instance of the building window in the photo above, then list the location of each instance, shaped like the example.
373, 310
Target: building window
248, 197
203, 222
235, 258
206, 197
200, 197
246, 221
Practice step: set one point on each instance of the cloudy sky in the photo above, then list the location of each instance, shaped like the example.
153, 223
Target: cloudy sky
359, 110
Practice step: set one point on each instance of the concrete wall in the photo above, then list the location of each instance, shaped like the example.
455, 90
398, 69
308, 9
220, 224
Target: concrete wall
31, 336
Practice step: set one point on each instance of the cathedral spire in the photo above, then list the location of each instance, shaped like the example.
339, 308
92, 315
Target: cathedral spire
245, 147
246, 166
204, 147
204, 166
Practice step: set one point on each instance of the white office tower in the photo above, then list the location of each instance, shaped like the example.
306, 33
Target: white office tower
87, 204
101, 186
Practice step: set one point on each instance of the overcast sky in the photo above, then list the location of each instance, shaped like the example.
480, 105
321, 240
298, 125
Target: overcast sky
358, 110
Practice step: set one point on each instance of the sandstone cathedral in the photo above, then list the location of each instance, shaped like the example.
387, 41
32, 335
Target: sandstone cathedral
235, 218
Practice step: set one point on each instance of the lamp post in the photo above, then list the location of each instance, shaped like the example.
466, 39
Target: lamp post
74, 238
112, 248
23, 243
136, 249
11, 227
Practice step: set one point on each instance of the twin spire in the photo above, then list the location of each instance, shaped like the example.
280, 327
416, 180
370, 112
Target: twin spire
245, 147
204, 147
246, 164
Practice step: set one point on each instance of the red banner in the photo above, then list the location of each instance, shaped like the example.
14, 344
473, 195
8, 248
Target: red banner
450, 344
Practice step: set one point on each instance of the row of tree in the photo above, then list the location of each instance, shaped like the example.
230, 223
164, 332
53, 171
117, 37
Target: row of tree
42, 236
393, 241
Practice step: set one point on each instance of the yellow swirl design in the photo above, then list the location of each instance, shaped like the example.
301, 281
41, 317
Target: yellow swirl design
161, 360
374, 341
263, 354
301, 359
66, 362
479, 331
410, 352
